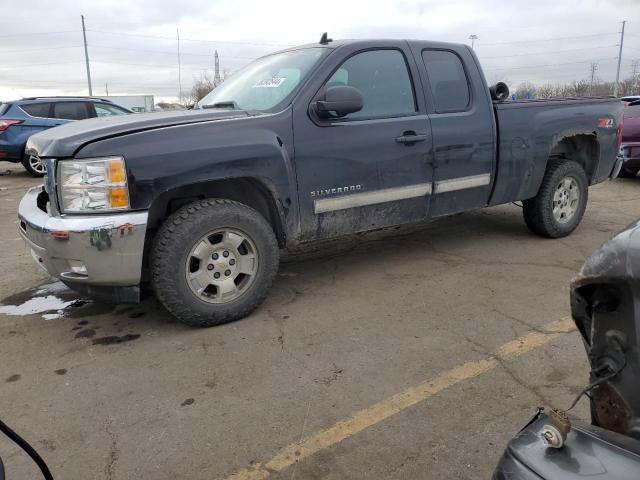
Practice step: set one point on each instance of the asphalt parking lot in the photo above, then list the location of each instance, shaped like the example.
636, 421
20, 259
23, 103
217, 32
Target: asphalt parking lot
413, 353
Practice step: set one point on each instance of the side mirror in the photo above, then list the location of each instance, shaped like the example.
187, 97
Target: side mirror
339, 102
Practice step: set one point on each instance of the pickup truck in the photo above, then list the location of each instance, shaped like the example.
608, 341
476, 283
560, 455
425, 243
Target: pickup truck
308, 143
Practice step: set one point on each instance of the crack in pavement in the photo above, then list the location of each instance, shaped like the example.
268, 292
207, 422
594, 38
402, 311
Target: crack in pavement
114, 453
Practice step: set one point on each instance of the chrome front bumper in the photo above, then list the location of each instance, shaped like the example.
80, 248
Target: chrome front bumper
90, 250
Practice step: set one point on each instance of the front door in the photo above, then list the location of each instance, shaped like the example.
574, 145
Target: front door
369, 169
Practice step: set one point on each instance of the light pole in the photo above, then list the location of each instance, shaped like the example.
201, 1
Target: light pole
473, 37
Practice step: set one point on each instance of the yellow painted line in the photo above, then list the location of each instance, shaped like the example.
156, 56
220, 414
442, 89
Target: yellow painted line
388, 407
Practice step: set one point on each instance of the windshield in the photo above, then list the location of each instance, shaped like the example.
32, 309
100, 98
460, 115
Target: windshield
266, 83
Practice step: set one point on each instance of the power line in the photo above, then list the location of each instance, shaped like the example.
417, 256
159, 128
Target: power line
166, 52
39, 64
549, 39
193, 39
548, 52
36, 33
41, 48
547, 64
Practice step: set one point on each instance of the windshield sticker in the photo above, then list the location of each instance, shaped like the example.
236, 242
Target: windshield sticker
273, 82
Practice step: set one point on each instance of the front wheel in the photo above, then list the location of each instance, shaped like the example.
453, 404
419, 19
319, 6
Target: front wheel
213, 262
558, 207
34, 165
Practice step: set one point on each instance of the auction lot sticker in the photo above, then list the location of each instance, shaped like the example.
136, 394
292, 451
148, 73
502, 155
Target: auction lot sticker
273, 82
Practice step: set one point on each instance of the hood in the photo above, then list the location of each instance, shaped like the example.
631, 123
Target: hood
605, 304
65, 140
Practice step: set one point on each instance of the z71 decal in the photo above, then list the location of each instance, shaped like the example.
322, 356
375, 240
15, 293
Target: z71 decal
606, 123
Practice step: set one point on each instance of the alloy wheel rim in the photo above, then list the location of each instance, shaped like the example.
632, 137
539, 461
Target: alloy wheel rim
37, 164
566, 199
221, 265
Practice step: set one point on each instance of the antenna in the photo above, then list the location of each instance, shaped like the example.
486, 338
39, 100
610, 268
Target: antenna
324, 40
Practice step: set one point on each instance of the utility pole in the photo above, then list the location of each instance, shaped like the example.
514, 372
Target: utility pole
473, 37
594, 67
179, 70
615, 88
86, 56
216, 76
106, 88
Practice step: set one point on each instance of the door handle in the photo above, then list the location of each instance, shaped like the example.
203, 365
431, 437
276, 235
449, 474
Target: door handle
412, 138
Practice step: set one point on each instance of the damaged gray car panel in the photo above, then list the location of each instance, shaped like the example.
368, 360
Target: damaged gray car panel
605, 304
589, 451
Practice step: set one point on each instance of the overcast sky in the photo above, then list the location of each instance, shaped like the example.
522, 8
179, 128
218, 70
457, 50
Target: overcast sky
133, 45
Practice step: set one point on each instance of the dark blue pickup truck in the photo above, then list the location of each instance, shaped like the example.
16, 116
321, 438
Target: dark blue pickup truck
309, 143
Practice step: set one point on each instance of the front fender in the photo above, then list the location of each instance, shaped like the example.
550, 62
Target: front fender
164, 159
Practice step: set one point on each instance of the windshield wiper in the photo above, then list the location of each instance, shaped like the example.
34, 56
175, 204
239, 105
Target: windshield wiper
226, 104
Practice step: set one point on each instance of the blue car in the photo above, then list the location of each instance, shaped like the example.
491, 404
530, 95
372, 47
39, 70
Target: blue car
22, 118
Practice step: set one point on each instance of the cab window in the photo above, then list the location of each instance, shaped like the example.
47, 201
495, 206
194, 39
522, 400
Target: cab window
383, 79
448, 81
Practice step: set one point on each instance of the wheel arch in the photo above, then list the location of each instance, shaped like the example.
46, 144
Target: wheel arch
582, 148
255, 192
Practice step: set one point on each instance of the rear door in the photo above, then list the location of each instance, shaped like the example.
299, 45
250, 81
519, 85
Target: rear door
462, 125
371, 168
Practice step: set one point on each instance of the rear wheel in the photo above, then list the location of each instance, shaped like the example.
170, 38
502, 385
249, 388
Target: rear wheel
558, 207
628, 173
34, 165
213, 261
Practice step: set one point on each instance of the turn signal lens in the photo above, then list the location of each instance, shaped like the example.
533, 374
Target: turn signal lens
116, 171
119, 197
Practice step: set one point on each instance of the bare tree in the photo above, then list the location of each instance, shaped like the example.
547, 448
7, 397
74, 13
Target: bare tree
525, 89
579, 88
202, 85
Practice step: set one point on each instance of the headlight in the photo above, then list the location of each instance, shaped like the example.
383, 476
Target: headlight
96, 184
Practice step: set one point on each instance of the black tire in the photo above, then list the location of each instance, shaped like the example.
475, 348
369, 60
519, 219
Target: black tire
27, 166
538, 211
630, 173
175, 239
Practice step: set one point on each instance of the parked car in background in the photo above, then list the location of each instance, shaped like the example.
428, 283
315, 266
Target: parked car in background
605, 305
630, 98
20, 119
630, 146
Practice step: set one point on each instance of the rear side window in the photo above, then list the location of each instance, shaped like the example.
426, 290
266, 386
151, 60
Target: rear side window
382, 78
105, 110
448, 82
70, 110
37, 109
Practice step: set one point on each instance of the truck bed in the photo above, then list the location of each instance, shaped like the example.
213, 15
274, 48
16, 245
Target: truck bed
529, 130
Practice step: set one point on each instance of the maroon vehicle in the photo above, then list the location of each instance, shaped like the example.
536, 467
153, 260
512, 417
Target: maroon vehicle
630, 146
